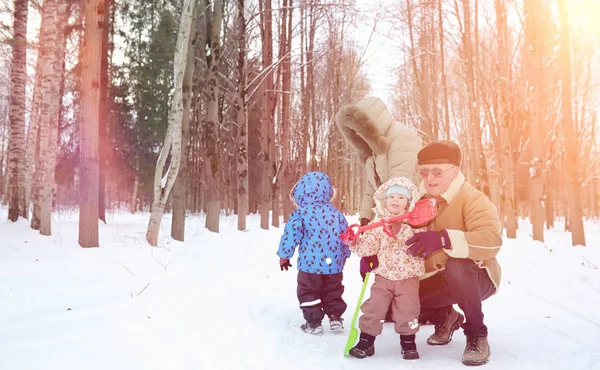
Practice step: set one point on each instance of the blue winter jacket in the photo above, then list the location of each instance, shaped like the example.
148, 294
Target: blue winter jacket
315, 227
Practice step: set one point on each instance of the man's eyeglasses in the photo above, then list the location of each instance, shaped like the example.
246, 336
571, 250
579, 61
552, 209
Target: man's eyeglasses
436, 172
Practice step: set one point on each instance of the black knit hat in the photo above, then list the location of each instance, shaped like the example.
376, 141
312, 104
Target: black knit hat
439, 152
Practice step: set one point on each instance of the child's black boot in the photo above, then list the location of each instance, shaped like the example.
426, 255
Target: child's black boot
365, 346
409, 347
336, 323
312, 328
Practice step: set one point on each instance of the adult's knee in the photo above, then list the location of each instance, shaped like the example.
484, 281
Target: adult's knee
458, 267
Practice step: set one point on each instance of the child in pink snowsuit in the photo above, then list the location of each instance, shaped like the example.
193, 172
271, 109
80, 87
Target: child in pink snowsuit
396, 277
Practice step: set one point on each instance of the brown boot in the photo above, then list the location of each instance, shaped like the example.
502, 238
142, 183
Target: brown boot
477, 351
443, 332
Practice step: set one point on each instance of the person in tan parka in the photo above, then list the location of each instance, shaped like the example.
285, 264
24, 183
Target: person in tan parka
384, 146
459, 248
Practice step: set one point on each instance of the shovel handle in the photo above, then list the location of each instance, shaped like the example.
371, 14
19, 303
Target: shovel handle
353, 231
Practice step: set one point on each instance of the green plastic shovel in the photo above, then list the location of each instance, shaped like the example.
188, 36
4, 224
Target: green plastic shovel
353, 330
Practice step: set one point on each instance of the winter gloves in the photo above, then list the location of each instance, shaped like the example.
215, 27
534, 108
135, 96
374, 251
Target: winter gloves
284, 263
424, 243
367, 264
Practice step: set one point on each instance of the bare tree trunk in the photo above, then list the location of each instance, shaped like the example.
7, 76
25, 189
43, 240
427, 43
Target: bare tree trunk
3, 176
506, 151
284, 71
180, 187
569, 133
304, 117
36, 184
34, 124
89, 166
134, 191
310, 83
213, 165
549, 205
284, 172
242, 121
16, 140
534, 41
443, 70
49, 111
267, 124
422, 98
104, 112
172, 145
476, 134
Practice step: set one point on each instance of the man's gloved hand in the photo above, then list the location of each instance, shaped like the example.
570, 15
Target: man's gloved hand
284, 263
426, 242
367, 264
364, 221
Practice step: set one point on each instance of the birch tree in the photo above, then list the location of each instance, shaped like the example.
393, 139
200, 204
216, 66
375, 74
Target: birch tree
16, 141
48, 114
32, 134
172, 144
180, 187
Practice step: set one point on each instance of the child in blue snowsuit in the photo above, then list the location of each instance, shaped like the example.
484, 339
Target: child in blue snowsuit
315, 227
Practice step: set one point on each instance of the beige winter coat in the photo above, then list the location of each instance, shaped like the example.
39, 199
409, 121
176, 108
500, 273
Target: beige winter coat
386, 147
473, 226
394, 262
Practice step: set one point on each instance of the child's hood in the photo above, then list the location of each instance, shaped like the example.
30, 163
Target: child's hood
379, 196
313, 187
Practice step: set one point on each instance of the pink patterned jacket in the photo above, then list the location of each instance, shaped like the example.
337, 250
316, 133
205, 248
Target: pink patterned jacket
394, 262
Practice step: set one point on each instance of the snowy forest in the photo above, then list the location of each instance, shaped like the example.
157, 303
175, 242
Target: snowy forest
218, 107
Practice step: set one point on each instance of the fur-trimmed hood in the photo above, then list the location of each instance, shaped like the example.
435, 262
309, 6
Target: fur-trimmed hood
385, 147
366, 125
379, 196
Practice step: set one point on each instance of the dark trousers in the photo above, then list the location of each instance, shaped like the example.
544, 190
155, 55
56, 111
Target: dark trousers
462, 282
320, 295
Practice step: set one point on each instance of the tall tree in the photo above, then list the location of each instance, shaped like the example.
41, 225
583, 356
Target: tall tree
569, 132
180, 187
267, 110
280, 160
213, 190
16, 141
32, 147
48, 117
91, 80
284, 172
443, 69
473, 102
506, 151
104, 110
172, 145
534, 45
241, 107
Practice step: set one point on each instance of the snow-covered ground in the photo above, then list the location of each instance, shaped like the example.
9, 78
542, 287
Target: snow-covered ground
219, 301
